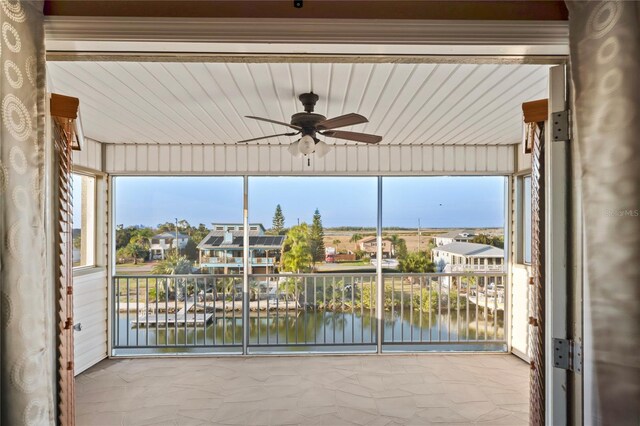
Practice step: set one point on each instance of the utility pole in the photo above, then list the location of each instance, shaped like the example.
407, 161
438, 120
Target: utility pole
419, 234
177, 252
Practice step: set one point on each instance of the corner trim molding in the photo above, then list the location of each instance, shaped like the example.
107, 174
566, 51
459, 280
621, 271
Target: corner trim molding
303, 36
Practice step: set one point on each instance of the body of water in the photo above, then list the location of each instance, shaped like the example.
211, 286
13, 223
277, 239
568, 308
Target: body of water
316, 328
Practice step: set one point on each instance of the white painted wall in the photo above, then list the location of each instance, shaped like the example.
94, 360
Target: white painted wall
90, 311
90, 286
520, 305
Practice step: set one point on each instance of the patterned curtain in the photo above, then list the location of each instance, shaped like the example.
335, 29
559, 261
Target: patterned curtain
605, 64
27, 373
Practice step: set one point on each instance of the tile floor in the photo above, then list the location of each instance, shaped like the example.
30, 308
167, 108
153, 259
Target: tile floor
321, 390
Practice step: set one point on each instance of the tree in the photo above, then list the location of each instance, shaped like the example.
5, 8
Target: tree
191, 250
317, 238
416, 262
399, 246
200, 233
172, 265
355, 238
124, 235
138, 248
277, 226
496, 241
296, 250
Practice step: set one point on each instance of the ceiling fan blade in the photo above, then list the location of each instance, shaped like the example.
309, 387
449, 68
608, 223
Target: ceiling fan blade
341, 121
267, 137
353, 136
268, 120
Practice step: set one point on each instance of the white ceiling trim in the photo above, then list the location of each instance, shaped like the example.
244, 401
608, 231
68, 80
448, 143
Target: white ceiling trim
256, 160
305, 36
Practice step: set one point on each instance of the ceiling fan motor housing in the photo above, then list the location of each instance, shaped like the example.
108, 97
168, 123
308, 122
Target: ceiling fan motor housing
307, 121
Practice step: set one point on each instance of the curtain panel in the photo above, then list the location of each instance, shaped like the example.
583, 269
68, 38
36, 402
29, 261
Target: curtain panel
605, 64
27, 375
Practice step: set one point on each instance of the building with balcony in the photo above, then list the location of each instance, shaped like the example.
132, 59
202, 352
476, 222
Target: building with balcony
162, 243
464, 257
221, 251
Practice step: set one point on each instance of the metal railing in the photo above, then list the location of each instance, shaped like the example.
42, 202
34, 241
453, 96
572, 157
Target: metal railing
312, 309
444, 308
178, 312
475, 268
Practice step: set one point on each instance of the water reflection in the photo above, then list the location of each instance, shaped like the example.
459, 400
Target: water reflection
316, 327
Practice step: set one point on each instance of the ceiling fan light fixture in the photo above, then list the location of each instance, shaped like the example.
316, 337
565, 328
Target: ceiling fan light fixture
322, 149
306, 145
293, 149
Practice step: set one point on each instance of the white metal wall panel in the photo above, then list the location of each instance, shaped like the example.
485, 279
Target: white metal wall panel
520, 311
343, 159
90, 156
90, 310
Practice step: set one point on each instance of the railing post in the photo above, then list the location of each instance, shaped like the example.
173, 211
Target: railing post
245, 269
380, 293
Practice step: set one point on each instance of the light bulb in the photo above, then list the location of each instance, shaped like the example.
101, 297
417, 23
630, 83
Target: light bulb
322, 149
306, 145
293, 149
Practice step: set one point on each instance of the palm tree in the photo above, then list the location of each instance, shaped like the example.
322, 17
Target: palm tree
173, 265
399, 245
296, 251
355, 238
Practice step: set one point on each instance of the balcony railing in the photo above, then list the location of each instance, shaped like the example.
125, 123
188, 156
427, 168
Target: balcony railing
221, 260
475, 268
203, 313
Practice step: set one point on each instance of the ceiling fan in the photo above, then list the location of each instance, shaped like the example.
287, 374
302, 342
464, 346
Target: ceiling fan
310, 124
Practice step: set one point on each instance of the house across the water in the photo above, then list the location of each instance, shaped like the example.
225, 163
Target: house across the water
464, 257
162, 244
220, 252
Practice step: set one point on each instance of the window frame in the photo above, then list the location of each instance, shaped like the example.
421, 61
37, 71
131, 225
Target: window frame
93, 219
521, 246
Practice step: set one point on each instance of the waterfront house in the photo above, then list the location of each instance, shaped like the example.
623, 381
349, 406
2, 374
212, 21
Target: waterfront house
464, 257
221, 251
161, 244
370, 247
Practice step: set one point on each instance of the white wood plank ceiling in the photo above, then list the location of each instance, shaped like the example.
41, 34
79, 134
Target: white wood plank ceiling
205, 103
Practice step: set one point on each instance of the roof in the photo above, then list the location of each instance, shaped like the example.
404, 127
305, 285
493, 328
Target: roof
166, 235
372, 238
471, 249
456, 234
214, 224
256, 241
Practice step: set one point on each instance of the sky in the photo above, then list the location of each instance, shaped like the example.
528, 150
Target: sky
437, 202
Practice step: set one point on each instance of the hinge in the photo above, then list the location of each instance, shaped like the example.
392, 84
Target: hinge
561, 126
68, 324
70, 365
69, 290
567, 355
